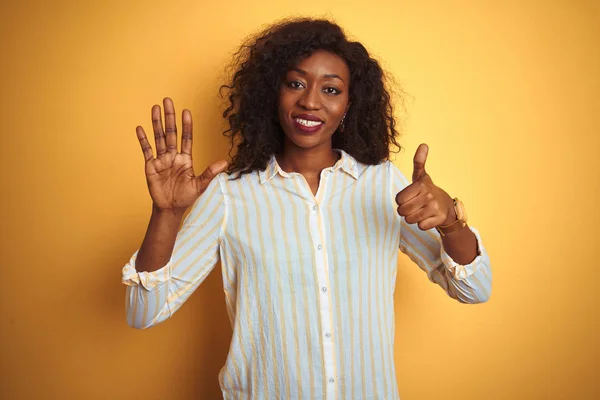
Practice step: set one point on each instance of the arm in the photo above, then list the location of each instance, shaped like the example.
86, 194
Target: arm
159, 241
468, 283
169, 266
459, 263
184, 259
461, 245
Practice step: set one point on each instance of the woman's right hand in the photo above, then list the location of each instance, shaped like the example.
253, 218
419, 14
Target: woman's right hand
170, 176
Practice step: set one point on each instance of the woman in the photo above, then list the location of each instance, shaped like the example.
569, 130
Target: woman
306, 222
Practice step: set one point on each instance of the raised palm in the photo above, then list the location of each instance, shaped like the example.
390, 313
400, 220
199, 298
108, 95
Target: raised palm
172, 183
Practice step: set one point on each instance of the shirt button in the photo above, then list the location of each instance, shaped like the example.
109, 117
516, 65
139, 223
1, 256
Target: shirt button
324, 289
319, 247
331, 380
315, 207
328, 335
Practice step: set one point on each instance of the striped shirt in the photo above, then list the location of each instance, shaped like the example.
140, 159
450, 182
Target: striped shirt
308, 279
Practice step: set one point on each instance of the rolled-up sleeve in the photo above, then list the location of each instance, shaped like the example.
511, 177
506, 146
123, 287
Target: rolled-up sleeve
470, 283
153, 297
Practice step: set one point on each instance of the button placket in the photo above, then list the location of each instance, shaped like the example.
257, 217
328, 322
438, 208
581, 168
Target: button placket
322, 277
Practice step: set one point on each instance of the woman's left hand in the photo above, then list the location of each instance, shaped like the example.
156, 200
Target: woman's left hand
422, 202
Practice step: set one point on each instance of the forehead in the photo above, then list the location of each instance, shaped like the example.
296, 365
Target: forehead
322, 62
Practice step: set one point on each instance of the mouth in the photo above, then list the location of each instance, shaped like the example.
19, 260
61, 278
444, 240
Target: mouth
307, 123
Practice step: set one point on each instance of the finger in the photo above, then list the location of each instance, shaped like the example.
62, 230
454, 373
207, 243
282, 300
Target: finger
146, 147
187, 136
430, 223
419, 161
420, 215
408, 193
414, 204
159, 135
210, 172
170, 125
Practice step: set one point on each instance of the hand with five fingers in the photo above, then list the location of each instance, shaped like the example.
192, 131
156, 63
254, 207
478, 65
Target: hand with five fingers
422, 202
172, 183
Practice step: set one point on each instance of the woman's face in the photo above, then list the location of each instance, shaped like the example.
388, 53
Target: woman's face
313, 99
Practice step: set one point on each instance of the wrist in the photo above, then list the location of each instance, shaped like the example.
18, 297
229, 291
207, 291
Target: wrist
456, 220
167, 212
459, 228
452, 217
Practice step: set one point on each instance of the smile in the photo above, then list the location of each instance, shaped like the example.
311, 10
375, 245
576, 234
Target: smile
305, 122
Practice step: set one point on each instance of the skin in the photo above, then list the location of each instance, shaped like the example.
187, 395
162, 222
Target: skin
172, 184
319, 85
427, 205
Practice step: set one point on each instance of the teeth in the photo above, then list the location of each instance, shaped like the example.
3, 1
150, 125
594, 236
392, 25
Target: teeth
307, 122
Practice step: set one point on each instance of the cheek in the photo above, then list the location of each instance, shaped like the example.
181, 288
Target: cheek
283, 105
339, 107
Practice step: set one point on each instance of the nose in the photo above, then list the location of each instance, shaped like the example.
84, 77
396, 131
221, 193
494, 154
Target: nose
310, 99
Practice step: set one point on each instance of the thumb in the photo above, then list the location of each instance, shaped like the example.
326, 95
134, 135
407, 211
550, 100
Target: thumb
419, 161
218, 167
211, 171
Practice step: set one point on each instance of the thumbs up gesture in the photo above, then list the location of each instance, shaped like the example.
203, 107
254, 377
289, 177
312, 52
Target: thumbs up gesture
422, 202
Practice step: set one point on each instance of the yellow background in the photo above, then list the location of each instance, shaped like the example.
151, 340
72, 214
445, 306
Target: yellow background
505, 93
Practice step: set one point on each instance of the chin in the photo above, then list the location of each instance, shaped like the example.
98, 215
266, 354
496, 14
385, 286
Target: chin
307, 142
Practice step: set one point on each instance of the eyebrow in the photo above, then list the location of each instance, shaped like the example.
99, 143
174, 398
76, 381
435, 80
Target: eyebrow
303, 72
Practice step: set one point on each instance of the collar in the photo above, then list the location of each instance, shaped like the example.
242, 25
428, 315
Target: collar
347, 163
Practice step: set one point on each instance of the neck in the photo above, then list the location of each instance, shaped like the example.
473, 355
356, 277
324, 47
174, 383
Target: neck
308, 162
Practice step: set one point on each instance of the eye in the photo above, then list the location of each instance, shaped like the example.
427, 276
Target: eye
331, 90
295, 84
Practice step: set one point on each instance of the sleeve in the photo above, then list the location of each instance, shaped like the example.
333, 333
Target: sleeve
152, 297
470, 283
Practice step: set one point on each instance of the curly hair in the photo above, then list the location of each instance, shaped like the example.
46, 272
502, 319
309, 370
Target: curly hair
261, 63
